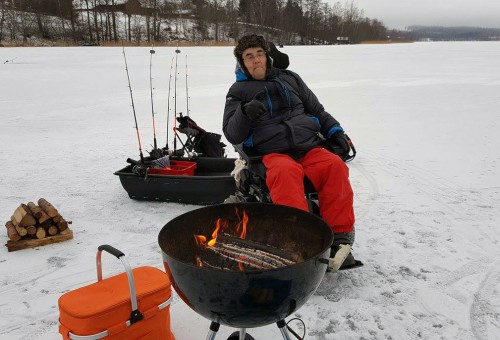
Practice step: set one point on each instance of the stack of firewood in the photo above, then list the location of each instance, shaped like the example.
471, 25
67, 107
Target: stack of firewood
31, 221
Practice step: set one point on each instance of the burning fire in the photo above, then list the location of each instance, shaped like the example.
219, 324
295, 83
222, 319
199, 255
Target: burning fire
201, 241
240, 264
228, 248
220, 226
241, 227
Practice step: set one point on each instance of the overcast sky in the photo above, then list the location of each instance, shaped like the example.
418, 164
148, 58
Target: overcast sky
401, 13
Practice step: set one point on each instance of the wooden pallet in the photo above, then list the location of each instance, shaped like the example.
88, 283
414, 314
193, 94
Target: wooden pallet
32, 243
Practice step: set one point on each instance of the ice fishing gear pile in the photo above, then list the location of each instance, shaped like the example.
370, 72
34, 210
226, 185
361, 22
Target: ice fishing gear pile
193, 169
195, 142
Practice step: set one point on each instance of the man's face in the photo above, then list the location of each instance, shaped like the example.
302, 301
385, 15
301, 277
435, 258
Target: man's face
255, 61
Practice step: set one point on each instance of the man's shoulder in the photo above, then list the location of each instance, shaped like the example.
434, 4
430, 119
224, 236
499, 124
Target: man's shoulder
246, 84
289, 73
291, 78
242, 90
237, 86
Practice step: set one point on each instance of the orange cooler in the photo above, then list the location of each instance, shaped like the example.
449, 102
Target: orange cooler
132, 305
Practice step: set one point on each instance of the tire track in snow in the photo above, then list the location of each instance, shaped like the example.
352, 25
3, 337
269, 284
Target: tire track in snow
373, 189
440, 189
450, 207
482, 312
458, 204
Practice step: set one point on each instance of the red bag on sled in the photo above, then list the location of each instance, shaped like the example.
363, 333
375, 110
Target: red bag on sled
132, 305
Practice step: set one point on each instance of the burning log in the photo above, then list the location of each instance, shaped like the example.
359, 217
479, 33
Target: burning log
286, 254
233, 253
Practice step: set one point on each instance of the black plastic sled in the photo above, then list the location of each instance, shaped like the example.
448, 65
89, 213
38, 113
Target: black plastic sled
210, 182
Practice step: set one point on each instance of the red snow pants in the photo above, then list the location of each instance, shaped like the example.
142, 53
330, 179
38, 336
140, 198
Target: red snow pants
329, 176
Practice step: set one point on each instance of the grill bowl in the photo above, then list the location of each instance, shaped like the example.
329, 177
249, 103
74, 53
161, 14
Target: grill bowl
252, 298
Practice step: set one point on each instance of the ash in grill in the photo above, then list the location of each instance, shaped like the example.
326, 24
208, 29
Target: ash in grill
233, 253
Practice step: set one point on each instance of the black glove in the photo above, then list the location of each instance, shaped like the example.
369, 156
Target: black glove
256, 107
339, 138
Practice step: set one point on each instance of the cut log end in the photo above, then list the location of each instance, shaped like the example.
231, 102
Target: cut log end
40, 233
22, 216
52, 230
12, 232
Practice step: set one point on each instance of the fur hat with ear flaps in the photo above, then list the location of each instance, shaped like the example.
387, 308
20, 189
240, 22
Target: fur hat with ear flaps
249, 41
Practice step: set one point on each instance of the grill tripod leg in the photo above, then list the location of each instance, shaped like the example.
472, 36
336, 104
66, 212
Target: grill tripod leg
242, 333
214, 328
284, 331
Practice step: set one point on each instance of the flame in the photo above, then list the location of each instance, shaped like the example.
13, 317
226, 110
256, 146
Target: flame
240, 263
221, 225
241, 227
201, 241
211, 243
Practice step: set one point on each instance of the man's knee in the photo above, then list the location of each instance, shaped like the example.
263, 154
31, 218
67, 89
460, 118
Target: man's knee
344, 238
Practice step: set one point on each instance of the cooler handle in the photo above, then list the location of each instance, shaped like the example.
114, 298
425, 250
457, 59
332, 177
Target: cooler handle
135, 315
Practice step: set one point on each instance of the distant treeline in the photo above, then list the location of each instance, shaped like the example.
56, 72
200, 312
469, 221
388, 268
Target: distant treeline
102, 21
437, 33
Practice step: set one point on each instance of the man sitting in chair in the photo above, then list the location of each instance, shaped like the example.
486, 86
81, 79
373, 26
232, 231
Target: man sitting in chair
273, 112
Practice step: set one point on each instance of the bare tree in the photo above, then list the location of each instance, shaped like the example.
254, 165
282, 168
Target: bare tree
96, 26
88, 21
232, 10
2, 18
21, 18
216, 14
113, 17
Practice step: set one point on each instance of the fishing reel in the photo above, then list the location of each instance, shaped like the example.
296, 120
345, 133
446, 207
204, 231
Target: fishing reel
140, 169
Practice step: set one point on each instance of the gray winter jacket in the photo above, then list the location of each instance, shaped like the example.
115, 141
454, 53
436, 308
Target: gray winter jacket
292, 122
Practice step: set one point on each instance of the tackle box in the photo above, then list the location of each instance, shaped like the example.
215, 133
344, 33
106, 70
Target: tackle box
177, 168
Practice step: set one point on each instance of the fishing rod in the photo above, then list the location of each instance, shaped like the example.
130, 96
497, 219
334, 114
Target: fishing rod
168, 100
187, 93
177, 51
133, 106
152, 51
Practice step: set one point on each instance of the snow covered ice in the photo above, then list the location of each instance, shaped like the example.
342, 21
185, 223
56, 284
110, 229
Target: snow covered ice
424, 120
